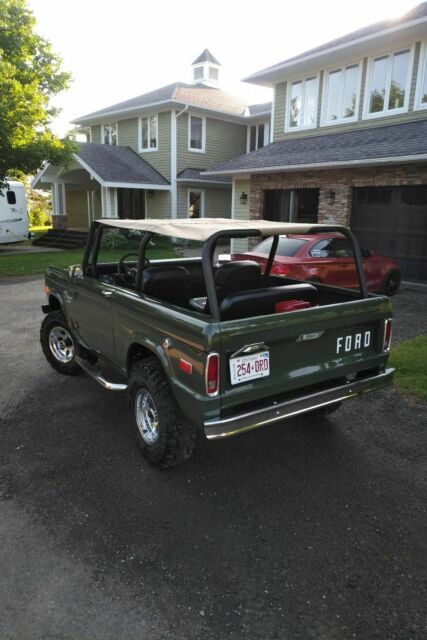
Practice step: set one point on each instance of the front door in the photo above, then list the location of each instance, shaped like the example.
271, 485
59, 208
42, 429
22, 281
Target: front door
131, 203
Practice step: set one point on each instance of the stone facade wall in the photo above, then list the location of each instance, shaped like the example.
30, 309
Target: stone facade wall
59, 222
341, 181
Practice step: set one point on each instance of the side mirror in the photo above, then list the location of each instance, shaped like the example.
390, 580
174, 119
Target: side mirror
75, 271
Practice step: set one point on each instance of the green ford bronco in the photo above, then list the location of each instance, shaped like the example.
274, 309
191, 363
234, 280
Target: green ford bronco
223, 347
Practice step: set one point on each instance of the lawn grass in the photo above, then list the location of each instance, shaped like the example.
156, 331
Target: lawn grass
410, 361
33, 263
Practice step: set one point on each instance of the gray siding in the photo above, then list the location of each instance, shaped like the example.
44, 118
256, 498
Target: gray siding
96, 133
127, 131
224, 140
159, 205
280, 108
217, 201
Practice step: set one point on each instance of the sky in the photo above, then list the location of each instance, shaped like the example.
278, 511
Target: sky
121, 50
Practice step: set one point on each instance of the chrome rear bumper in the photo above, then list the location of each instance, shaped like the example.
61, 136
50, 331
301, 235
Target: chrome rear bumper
238, 423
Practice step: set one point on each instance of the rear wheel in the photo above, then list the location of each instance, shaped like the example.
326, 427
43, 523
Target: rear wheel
58, 344
164, 436
391, 283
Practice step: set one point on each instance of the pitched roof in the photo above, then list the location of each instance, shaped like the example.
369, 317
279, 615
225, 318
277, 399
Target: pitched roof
198, 175
397, 142
420, 11
206, 56
118, 164
198, 95
259, 109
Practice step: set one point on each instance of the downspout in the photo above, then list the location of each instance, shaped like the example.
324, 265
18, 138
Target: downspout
174, 162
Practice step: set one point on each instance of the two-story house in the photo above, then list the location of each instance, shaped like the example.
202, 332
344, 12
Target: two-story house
145, 156
349, 141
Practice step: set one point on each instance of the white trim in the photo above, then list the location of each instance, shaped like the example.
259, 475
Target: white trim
45, 166
205, 182
64, 201
317, 54
321, 165
203, 119
90, 134
303, 81
88, 207
422, 73
141, 149
369, 72
202, 201
135, 185
324, 95
94, 119
233, 193
273, 114
174, 195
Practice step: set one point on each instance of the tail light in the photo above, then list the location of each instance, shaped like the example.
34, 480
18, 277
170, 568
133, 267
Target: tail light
387, 335
212, 374
280, 269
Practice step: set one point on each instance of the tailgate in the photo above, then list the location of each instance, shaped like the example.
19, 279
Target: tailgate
304, 348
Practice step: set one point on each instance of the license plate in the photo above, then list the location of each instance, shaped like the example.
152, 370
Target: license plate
245, 368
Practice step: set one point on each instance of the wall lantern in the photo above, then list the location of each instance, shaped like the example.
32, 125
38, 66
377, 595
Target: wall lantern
243, 198
330, 197
150, 193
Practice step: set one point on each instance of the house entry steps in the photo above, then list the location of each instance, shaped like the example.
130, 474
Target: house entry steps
62, 239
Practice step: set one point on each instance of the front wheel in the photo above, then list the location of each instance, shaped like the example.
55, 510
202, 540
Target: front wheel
164, 436
58, 344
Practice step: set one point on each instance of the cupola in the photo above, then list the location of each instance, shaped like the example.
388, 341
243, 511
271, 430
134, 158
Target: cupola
206, 69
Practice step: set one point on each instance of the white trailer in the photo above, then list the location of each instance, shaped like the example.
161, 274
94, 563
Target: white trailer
14, 225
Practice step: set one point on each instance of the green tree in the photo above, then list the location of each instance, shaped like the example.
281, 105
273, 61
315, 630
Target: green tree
30, 75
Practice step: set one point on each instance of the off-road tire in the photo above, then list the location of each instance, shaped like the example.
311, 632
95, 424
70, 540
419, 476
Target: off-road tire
176, 435
391, 283
56, 319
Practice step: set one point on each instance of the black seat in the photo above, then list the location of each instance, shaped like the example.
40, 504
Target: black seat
167, 283
237, 276
258, 302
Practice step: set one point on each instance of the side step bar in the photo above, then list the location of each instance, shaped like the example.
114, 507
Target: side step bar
94, 373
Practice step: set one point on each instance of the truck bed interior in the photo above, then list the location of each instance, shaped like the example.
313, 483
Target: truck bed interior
242, 290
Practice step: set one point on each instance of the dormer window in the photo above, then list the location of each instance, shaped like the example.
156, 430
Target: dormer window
341, 97
198, 73
388, 84
302, 104
213, 73
109, 133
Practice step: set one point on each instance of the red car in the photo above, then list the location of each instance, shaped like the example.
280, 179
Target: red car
326, 258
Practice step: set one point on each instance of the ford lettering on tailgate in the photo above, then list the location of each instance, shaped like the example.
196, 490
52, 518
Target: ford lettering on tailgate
353, 342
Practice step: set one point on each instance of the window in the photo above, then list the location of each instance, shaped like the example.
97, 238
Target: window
287, 247
258, 135
109, 133
198, 73
341, 96
332, 248
196, 133
11, 197
372, 195
302, 104
148, 138
213, 73
195, 204
421, 92
388, 84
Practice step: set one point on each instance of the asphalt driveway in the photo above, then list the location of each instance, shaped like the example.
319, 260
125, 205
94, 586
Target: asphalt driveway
307, 530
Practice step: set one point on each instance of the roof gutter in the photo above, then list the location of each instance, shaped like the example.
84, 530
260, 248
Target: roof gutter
320, 166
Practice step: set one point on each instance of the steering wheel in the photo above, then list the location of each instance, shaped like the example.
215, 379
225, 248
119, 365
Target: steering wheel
128, 273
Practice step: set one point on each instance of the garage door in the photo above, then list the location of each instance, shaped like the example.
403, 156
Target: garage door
393, 221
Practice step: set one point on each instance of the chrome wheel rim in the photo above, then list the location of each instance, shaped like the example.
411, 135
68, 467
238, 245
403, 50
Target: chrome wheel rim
147, 417
61, 344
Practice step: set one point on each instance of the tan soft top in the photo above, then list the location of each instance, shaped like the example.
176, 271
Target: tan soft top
203, 228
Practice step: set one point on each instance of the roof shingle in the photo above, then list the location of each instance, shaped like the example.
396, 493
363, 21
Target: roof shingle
373, 143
